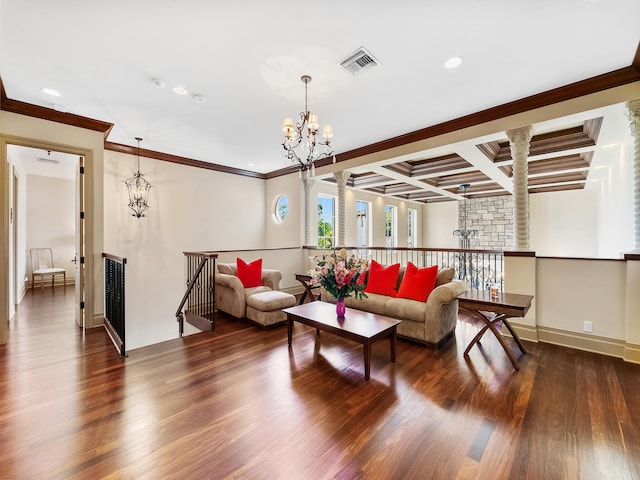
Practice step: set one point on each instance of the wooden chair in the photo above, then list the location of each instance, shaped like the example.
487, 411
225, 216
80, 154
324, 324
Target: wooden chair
42, 264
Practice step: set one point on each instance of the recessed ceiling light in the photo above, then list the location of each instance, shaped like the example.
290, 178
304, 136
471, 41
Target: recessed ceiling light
180, 90
157, 83
51, 91
453, 62
251, 164
200, 98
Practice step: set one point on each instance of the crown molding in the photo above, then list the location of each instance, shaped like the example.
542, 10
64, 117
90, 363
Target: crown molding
167, 157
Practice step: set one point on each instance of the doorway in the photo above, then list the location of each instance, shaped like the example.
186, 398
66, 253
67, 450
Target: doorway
46, 196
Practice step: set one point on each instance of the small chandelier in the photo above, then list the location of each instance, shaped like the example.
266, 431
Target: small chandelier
306, 155
138, 188
463, 234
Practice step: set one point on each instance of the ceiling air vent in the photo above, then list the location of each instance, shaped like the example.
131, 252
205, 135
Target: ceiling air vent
359, 61
48, 160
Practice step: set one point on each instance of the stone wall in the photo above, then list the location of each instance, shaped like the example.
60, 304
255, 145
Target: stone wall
493, 218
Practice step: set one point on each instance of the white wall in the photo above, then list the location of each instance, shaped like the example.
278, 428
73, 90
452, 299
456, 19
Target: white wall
440, 220
289, 232
569, 292
50, 218
191, 209
613, 186
564, 224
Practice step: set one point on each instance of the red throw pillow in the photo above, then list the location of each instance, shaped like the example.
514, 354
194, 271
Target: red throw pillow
418, 283
382, 280
250, 274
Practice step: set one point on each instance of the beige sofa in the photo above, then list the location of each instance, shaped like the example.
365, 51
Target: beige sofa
230, 294
432, 322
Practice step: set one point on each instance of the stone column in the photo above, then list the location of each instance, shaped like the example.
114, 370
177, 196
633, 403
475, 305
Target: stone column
341, 178
633, 109
519, 139
309, 214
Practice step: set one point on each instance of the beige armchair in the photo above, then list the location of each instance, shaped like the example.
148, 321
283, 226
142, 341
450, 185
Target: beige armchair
230, 294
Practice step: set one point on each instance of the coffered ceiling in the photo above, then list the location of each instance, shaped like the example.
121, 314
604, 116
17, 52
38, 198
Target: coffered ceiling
559, 159
116, 65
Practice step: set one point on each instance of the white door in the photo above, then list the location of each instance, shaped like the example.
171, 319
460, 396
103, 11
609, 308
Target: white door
79, 257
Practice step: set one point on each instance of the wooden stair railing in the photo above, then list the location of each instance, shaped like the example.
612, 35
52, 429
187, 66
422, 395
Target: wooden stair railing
114, 291
198, 303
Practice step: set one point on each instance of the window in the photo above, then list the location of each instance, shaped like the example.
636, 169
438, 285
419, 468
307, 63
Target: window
390, 227
326, 221
412, 226
280, 208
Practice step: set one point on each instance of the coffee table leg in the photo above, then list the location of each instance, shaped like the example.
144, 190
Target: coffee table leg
367, 360
289, 329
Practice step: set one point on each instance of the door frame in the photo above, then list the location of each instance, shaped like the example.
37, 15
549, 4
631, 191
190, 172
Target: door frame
6, 176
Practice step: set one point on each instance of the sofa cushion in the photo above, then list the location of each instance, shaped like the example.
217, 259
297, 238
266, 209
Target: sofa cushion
445, 275
373, 303
252, 290
250, 274
405, 309
418, 283
382, 280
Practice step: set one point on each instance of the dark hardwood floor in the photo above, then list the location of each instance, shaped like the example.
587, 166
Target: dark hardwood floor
239, 404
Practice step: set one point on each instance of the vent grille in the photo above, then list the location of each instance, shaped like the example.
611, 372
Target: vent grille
48, 160
359, 61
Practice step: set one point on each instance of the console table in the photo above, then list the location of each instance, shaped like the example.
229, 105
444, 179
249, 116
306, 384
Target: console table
504, 306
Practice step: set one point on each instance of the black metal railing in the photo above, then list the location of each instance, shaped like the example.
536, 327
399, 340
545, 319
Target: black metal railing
114, 313
478, 268
197, 306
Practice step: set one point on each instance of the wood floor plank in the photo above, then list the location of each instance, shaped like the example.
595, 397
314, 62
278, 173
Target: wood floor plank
240, 404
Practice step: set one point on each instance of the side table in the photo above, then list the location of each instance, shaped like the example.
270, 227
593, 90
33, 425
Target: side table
305, 280
504, 306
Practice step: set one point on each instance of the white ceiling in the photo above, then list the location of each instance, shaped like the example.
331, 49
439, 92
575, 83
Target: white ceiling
246, 58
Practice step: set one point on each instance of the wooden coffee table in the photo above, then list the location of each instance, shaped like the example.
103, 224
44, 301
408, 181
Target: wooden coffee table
362, 327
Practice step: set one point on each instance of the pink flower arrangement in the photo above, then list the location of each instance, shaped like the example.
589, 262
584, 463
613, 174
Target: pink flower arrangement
338, 273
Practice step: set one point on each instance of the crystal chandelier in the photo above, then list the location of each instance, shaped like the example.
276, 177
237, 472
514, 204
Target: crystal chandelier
138, 188
307, 140
463, 234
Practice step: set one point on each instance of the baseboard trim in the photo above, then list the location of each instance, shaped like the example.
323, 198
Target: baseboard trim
295, 290
98, 320
631, 353
22, 292
71, 281
590, 343
525, 332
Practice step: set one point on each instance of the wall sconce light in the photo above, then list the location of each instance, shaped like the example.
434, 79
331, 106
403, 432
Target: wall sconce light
138, 188
362, 215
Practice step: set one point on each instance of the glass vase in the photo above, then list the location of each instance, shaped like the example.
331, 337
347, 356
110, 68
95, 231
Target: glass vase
340, 308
